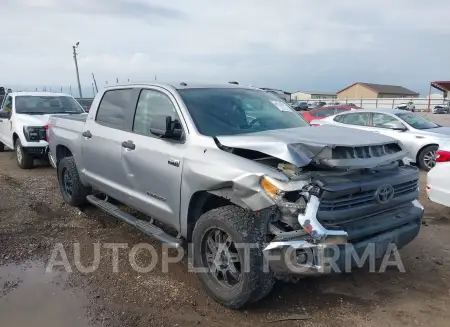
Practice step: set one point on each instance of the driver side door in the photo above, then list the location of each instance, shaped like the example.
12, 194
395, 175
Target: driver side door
5, 121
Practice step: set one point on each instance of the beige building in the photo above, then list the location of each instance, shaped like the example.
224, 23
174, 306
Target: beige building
310, 95
369, 90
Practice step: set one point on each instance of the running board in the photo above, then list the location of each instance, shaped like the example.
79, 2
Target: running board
145, 227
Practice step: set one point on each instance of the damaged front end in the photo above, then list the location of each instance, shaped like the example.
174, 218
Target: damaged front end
299, 240
326, 205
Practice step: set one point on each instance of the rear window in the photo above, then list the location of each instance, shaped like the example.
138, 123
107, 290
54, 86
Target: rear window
113, 107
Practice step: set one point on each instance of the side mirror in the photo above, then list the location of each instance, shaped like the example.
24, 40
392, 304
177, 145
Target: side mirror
400, 128
4, 114
164, 126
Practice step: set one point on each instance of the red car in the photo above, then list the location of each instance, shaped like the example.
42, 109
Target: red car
326, 111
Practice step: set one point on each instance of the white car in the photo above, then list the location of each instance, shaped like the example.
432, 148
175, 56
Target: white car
438, 178
419, 136
23, 120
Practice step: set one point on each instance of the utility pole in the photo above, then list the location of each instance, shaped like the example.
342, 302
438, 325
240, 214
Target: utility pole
76, 67
95, 82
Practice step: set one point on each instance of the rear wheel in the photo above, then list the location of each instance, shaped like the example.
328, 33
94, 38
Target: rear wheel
234, 277
72, 190
24, 160
427, 157
2, 147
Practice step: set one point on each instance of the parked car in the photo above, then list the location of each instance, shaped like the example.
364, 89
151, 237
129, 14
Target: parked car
223, 174
420, 136
316, 104
409, 105
85, 103
438, 178
23, 120
442, 108
322, 112
300, 106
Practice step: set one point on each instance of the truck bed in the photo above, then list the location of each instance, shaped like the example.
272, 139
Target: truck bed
65, 130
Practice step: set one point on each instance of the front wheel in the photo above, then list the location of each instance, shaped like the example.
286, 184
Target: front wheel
72, 190
427, 157
228, 245
24, 160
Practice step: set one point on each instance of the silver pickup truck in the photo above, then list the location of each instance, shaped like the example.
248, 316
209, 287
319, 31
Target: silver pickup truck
257, 192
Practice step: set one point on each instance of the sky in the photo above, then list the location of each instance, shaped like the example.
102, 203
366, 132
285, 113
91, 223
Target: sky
285, 44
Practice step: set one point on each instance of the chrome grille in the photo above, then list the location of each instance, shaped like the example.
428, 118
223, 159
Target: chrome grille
354, 200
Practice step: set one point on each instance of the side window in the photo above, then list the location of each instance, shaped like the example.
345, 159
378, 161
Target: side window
338, 118
150, 104
7, 105
113, 107
325, 112
360, 119
339, 110
385, 121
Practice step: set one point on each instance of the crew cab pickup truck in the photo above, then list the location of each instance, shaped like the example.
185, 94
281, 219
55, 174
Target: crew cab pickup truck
257, 192
23, 120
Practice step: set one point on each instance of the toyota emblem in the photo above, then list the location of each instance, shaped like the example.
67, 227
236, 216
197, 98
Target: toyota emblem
384, 194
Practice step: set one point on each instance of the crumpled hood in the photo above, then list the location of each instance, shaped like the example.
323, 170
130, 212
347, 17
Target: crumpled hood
327, 145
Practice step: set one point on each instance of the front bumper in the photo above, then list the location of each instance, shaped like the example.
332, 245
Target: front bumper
329, 252
37, 151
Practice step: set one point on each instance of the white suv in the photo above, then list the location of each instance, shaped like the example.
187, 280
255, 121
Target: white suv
23, 120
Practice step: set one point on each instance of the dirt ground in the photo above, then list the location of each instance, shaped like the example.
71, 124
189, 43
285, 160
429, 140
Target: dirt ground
33, 218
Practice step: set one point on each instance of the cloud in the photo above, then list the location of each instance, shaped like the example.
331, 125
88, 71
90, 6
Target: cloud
291, 44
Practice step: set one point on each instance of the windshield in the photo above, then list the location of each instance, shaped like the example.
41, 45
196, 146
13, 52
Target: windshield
47, 105
417, 121
237, 111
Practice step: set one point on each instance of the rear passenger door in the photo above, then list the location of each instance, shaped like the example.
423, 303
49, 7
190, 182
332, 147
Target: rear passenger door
102, 140
155, 165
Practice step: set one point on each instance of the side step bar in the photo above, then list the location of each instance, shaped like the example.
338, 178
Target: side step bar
144, 226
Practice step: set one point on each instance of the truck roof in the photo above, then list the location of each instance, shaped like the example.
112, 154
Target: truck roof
38, 94
184, 85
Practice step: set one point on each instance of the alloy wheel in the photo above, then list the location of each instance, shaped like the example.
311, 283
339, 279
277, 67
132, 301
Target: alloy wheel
222, 257
19, 153
429, 159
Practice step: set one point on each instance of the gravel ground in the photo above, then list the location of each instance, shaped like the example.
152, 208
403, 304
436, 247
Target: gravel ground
34, 218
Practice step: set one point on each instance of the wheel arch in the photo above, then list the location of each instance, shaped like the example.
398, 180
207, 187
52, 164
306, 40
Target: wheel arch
423, 148
61, 152
201, 202
15, 138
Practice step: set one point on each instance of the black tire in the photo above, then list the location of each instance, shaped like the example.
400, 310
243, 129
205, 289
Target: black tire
2, 147
423, 157
24, 160
243, 227
76, 197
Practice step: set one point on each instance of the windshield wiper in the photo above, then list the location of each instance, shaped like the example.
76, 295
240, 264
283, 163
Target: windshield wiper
32, 112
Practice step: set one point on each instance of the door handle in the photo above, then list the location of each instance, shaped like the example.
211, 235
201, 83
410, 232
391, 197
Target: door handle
129, 145
87, 134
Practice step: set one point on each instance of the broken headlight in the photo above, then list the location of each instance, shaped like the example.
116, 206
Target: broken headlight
290, 203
